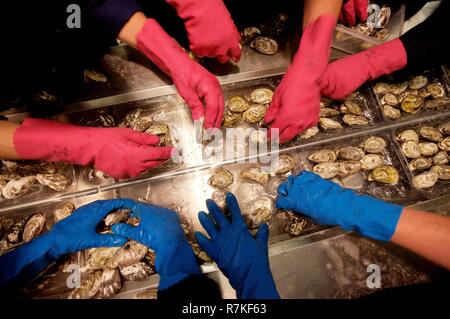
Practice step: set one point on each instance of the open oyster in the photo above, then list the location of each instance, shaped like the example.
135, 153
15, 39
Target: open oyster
350, 107
371, 161
348, 167
18, 187
443, 172
260, 212
264, 45
411, 149
351, 120
374, 144
221, 179
425, 180
292, 223
428, 148
237, 104
261, 96
420, 163
418, 82
255, 174
58, 182
255, 113
323, 156
408, 135
430, 133
391, 112
285, 164
34, 227
350, 153
445, 144
385, 174
441, 158
326, 170
329, 124
136, 272
63, 212
436, 90
231, 119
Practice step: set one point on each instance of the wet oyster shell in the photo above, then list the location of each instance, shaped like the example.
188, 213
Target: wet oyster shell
323, 156
328, 112
63, 212
443, 172
436, 90
137, 120
219, 198
285, 164
329, 124
425, 180
437, 104
441, 158
444, 128
136, 272
261, 96
18, 187
389, 99
163, 131
34, 227
119, 216
231, 119
57, 182
309, 133
255, 174
418, 82
292, 223
351, 120
428, 148
374, 144
249, 34
111, 283
14, 233
221, 179
411, 149
430, 133
348, 167
91, 75
129, 254
264, 45
445, 144
99, 258
237, 104
89, 286
408, 135
350, 107
412, 104
385, 174
420, 163
255, 113
326, 170
260, 212
391, 112
371, 161
350, 153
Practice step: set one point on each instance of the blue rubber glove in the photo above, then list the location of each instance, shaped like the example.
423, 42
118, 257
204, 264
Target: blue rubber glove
160, 229
329, 204
242, 258
74, 233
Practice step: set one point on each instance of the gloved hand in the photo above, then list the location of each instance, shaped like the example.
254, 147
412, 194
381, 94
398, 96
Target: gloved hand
108, 149
347, 74
353, 9
159, 228
193, 82
242, 258
295, 104
210, 29
329, 204
72, 234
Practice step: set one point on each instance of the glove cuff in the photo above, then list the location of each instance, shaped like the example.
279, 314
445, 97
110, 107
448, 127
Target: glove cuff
385, 58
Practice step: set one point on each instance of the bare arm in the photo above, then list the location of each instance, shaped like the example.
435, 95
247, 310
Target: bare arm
315, 8
131, 29
425, 234
7, 150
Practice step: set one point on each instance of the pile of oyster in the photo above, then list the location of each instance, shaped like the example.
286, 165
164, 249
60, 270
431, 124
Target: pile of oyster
426, 150
250, 109
411, 96
18, 178
351, 166
376, 24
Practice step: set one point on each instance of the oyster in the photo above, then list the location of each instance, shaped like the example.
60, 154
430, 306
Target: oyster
14, 233
424, 93
418, 82
260, 212
371, 161
63, 212
391, 112
163, 131
441, 158
412, 104
5, 224
248, 192
237, 104
329, 124
45, 97
264, 45
325, 101
58, 182
261, 96
437, 104
9, 166
99, 258
328, 112
255, 113
350, 119
2, 185
420, 163
350, 153
285, 164
186, 224
255, 174
231, 119
430, 133
338, 181
34, 227
200, 254
248, 34
151, 293
309, 133
91, 75
89, 286
398, 88
323, 156
411, 149
348, 167
444, 128
18, 187
219, 198
385, 174
428, 148
374, 144
292, 223
326, 170
137, 120
130, 253
383, 88
389, 99
136, 272
221, 179
443, 172
350, 107
408, 135
119, 216
436, 90
425, 180
443, 145
111, 283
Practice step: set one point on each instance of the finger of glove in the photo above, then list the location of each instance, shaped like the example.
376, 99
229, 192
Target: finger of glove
235, 52
272, 111
108, 240
262, 235
284, 202
195, 105
214, 105
142, 138
348, 12
222, 58
288, 133
149, 153
204, 243
284, 188
127, 230
233, 207
208, 224
361, 9
217, 214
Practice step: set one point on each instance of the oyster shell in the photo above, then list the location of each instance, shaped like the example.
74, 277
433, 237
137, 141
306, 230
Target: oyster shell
443, 145
261, 96
424, 93
408, 135
436, 90
220, 198
371, 161
328, 112
248, 34
418, 82
420, 163
437, 104
99, 258
161, 130
111, 283
285, 164
57, 182
91, 75
329, 124
255, 113
136, 272
63, 212
443, 172
391, 112
130, 253
221, 179
255, 174
441, 158
374, 144
325, 101
309, 133
151, 293
89, 286
292, 223
231, 119
200, 254
383, 88
444, 128
411, 149
264, 45
428, 148
425, 180
137, 120
398, 88
389, 99
323, 156
338, 181
237, 104
34, 227
351, 119
326, 170
412, 104
348, 167
430, 133
18, 187
260, 212
118, 216
350, 107
249, 192
14, 233
385, 174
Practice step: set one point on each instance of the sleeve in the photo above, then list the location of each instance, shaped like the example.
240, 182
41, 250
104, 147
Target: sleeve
426, 44
194, 287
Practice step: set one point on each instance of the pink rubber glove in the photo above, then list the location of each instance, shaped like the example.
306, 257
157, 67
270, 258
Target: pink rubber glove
193, 82
295, 104
118, 152
210, 29
345, 75
353, 9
